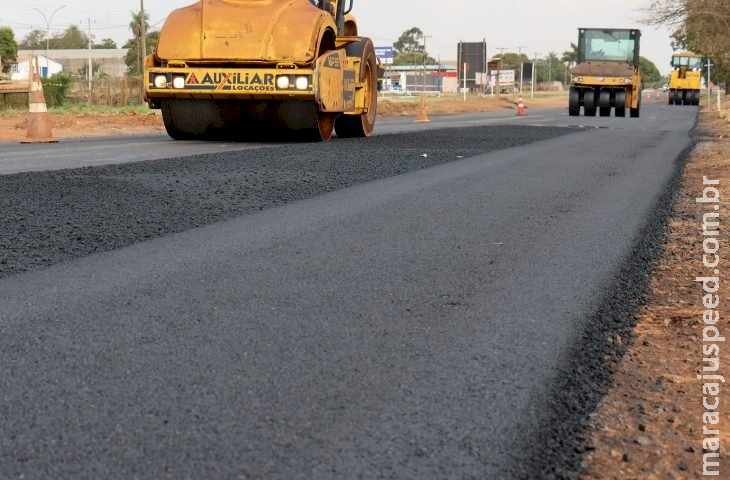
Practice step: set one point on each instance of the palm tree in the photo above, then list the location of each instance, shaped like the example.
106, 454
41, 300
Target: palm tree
570, 56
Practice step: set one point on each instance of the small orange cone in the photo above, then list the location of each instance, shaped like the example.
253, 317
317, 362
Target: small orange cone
421, 116
39, 124
521, 107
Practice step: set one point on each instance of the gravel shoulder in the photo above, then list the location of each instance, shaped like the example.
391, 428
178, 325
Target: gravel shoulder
650, 424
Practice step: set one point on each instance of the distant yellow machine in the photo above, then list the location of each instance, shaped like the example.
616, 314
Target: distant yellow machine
686, 80
607, 74
244, 69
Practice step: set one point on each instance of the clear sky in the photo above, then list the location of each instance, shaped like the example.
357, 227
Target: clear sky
537, 25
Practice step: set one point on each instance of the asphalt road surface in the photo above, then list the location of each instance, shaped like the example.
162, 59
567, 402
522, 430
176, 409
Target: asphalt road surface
345, 310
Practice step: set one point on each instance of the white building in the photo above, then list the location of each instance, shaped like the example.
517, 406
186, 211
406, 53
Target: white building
20, 71
108, 61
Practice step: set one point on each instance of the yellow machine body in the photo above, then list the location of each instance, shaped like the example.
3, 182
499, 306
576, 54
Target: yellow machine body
607, 75
686, 80
299, 66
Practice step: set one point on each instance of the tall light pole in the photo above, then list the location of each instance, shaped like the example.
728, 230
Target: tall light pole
48, 26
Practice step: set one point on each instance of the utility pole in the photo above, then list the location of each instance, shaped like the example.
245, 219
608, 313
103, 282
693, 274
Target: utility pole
499, 68
91, 65
142, 43
522, 66
534, 73
709, 82
423, 83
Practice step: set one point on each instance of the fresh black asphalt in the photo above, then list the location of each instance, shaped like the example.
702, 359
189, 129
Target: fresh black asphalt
54, 216
424, 323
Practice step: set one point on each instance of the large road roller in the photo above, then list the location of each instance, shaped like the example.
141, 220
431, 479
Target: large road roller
686, 80
607, 75
253, 69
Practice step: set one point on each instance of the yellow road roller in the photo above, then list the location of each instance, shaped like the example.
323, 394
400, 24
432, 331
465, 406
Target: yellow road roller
607, 74
686, 80
254, 69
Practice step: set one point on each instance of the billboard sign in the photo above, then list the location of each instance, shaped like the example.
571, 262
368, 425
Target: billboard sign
506, 78
473, 55
385, 54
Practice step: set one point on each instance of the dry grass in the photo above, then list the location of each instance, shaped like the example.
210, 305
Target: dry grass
649, 426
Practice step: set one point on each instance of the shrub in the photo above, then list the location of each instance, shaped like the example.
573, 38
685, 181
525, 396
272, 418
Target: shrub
56, 89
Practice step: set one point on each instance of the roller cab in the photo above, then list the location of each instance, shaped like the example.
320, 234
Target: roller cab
607, 75
686, 80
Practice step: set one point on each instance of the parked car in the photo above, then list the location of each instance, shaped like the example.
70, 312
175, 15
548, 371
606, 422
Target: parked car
398, 90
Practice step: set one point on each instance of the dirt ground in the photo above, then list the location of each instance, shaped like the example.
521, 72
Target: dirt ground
650, 425
13, 127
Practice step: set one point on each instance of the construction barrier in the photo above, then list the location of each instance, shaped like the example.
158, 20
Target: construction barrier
421, 116
39, 124
521, 107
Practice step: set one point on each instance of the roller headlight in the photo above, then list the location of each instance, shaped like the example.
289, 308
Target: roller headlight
178, 82
627, 80
282, 82
161, 81
302, 83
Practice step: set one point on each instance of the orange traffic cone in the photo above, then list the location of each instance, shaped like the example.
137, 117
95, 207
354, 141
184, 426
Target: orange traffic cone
421, 116
521, 107
39, 125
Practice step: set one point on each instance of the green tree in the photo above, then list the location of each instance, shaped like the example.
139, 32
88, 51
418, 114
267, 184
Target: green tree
8, 48
649, 71
512, 61
701, 26
410, 41
409, 50
56, 88
570, 56
133, 44
106, 43
551, 69
71, 38
35, 40
132, 59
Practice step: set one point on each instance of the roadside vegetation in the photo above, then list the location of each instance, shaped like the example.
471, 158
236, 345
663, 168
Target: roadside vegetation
700, 26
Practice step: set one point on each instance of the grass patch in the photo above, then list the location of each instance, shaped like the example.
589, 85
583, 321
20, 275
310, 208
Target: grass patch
84, 108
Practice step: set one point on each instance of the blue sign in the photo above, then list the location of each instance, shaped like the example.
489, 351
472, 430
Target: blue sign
385, 54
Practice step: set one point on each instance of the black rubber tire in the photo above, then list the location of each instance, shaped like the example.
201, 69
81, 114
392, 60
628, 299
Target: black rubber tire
671, 97
686, 97
349, 126
696, 97
604, 102
181, 122
620, 103
574, 102
589, 103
